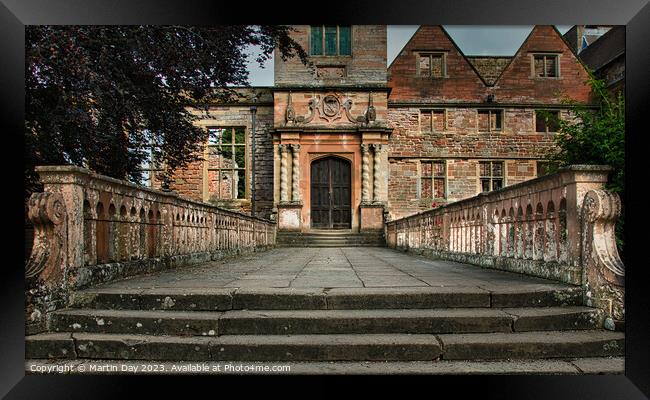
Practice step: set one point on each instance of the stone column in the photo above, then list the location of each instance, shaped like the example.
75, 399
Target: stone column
376, 178
283, 172
295, 177
365, 190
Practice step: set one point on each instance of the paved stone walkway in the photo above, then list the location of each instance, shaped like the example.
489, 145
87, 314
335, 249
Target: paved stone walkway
351, 267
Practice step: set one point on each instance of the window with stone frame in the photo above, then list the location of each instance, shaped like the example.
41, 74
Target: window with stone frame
546, 65
547, 121
330, 40
433, 121
490, 120
432, 65
151, 167
491, 175
432, 180
227, 166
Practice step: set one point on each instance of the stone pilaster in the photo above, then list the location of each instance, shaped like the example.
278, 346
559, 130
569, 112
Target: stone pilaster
365, 190
378, 148
295, 177
283, 172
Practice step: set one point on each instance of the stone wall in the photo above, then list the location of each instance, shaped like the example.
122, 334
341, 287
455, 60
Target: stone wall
91, 229
195, 182
472, 85
558, 227
462, 146
365, 66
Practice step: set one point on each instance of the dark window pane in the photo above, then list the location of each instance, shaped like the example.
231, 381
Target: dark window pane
497, 118
497, 184
240, 157
227, 136
497, 169
240, 135
330, 40
344, 41
240, 177
485, 185
540, 121
554, 121
226, 156
316, 40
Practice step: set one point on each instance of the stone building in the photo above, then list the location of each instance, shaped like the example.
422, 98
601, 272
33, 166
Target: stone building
347, 142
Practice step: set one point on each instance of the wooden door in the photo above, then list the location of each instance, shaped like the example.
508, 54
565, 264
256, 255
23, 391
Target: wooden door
331, 194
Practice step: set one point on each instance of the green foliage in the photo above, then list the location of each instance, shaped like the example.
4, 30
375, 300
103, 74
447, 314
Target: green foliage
596, 136
101, 96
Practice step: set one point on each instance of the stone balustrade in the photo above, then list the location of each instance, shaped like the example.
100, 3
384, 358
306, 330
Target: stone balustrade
558, 227
90, 228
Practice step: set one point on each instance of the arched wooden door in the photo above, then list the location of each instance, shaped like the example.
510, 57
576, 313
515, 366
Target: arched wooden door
331, 194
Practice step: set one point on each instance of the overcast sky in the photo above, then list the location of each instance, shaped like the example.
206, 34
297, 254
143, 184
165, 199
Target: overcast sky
502, 40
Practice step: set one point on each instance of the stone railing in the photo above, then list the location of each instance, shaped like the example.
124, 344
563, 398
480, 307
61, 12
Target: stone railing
559, 227
90, 228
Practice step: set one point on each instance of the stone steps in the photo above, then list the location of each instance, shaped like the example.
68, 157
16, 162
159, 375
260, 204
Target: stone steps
338, 347
223, 299
405, 324
332, 238
300, 322
591, 365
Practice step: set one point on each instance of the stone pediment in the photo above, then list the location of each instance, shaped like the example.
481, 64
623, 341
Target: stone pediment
333, 108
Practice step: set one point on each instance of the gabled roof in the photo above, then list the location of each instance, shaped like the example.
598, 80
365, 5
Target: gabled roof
451, 40
528, 38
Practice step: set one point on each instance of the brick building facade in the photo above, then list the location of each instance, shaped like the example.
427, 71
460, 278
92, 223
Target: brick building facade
347, 142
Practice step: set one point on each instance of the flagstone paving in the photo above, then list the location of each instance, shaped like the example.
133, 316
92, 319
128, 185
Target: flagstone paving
344, 267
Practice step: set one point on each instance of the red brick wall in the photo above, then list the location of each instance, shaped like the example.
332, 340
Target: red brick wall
517, 86
462, 94
462, 84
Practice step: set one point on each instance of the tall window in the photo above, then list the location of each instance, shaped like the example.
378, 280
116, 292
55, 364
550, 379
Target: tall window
431, 65
547, 121
330, 40
491, 175
490, 120
151, 166
227, 163
433, 180
433, 121
546, 65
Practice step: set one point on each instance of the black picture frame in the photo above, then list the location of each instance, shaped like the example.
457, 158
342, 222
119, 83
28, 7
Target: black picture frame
635, 14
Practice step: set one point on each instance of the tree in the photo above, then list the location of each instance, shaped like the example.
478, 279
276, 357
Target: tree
596, 137
104, 96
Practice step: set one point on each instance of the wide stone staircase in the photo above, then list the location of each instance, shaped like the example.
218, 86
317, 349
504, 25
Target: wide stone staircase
330, 238
409, 324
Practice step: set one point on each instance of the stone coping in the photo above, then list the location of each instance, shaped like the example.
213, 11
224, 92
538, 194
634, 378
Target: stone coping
513, 188
88, 174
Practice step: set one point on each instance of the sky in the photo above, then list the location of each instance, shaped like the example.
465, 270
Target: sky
473, 40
